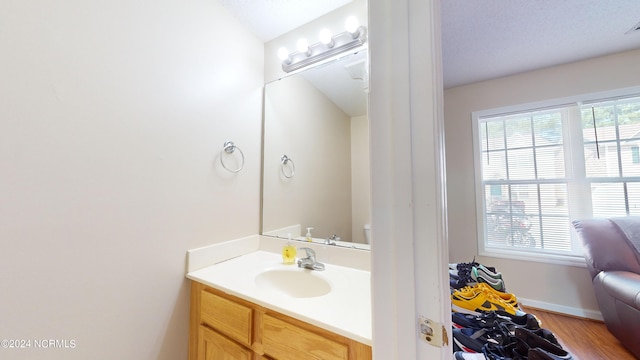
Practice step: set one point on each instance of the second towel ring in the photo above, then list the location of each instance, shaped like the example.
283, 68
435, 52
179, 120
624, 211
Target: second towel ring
229, 148
285, 160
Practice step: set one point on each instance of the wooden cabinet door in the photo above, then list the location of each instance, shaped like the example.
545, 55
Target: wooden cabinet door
285, 341
226, 316
213, 346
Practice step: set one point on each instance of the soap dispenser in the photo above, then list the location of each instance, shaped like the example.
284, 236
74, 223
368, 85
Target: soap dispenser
289, 253
308, 236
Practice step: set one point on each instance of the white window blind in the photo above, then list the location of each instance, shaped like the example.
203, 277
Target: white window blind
538, 169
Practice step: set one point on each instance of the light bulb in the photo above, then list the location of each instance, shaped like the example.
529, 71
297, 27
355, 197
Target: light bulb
352, 24
283, 53
325, 36
303, 45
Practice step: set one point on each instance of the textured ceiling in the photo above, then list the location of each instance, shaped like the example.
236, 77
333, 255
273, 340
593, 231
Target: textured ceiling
485, 39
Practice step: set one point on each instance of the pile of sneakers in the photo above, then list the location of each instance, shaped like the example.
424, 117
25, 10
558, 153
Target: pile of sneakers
489, 324
469, 274
481, 297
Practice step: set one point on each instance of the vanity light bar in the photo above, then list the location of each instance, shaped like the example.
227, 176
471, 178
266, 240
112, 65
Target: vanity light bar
320, 51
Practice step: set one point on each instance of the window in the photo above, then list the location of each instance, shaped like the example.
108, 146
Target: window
541, 166
635, 154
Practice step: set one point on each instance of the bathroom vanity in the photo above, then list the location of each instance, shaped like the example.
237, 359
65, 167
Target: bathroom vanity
228, 327
252, 306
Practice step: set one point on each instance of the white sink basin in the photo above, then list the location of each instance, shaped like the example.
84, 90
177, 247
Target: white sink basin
294, 282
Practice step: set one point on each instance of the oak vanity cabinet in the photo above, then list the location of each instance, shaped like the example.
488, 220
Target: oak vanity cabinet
224, 327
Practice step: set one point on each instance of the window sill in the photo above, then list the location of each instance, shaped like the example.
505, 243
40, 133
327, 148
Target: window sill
556, 259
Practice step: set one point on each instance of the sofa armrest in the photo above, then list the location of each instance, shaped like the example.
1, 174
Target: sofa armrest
606, 247
622, 285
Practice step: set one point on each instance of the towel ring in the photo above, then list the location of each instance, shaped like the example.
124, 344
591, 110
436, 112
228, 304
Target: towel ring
286, 160
229, 148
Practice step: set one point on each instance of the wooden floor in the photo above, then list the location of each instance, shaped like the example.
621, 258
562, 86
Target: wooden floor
584, 339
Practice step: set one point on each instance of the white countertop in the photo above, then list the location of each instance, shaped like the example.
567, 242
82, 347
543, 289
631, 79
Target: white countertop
345, 310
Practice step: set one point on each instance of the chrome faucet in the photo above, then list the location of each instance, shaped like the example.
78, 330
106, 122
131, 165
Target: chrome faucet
310, 261
332, 239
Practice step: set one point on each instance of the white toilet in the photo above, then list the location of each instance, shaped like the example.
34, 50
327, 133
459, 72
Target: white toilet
367, 233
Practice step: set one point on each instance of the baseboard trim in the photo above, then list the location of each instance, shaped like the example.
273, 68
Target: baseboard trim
562, 309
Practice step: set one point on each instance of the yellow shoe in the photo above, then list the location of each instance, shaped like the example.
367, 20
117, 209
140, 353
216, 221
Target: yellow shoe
507, 297
480, 300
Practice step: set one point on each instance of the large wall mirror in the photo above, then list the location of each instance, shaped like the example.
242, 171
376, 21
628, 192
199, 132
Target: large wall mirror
316, 153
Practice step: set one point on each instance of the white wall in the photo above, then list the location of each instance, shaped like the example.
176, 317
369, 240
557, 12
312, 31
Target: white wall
305, 125
562, 288
112, 116
360, 177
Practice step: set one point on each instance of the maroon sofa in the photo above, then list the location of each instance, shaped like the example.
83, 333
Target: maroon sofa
612, 253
